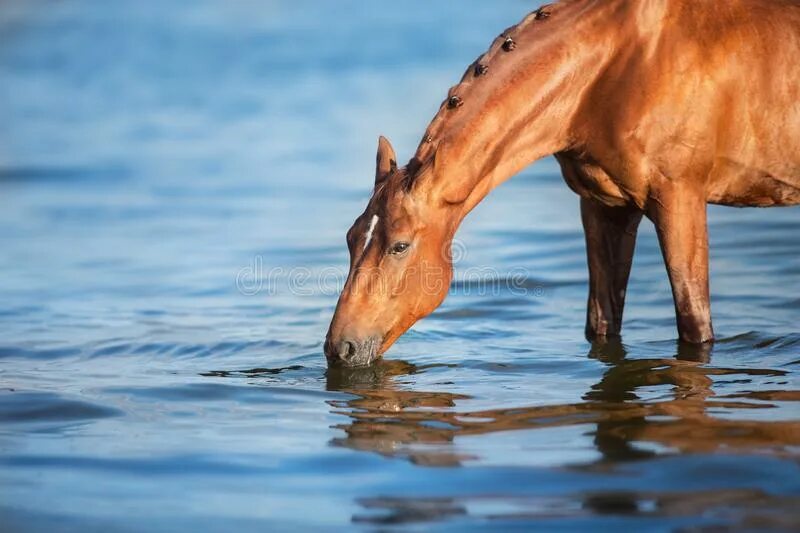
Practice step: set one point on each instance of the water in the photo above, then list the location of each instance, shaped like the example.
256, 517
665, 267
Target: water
176, 181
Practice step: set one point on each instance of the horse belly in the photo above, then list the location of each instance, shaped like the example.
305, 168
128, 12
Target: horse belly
736, 185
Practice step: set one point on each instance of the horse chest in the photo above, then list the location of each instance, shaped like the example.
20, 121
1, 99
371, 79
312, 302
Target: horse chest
588, 179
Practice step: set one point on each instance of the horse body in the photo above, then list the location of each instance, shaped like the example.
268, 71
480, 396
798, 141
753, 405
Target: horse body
653, 108
704, 92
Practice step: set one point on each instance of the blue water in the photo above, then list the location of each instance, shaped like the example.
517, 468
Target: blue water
176, 180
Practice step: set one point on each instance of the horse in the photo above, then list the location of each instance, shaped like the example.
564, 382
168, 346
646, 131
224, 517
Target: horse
652, 108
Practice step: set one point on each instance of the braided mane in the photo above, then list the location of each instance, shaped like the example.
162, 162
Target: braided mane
466, 92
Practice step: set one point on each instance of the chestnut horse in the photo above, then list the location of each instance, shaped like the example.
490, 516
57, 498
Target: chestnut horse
652, 108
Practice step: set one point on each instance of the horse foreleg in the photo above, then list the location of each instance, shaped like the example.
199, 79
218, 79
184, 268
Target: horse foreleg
679, 215
610, 242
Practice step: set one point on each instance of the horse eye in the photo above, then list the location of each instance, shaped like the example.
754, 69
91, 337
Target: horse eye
399, 248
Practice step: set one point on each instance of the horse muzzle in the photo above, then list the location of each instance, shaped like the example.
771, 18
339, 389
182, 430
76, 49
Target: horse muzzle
352, 352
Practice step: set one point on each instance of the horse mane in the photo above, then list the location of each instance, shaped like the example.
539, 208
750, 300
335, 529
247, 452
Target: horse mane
463, 93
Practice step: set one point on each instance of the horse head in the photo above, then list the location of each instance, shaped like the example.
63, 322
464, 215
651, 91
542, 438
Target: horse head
400, 265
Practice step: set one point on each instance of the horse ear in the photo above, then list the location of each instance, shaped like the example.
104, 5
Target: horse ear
386, 161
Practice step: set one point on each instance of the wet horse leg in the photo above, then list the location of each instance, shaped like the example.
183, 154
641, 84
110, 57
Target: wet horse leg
679, 215
610, 242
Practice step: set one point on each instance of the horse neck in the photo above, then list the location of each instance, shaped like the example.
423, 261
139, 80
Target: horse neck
521, 109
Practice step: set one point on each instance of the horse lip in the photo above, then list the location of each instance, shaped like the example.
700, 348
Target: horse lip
356, 362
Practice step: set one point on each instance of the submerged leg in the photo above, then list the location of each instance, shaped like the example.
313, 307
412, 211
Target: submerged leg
610, 241
679, 214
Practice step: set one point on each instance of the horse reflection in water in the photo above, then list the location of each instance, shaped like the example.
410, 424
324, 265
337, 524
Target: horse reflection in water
422, 426
390, 421
386, 419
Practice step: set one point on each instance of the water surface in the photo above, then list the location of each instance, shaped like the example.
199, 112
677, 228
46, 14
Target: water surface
176, 182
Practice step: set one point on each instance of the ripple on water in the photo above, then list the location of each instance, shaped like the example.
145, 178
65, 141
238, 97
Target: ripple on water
721, 508
245, 393
31, 408
21, 352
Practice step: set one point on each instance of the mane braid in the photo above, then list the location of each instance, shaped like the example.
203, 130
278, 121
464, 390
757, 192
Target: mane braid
460, 95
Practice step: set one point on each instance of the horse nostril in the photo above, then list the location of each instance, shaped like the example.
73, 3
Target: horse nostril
347, 350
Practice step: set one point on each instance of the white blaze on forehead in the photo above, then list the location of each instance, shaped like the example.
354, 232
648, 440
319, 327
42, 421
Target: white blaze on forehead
370, 230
